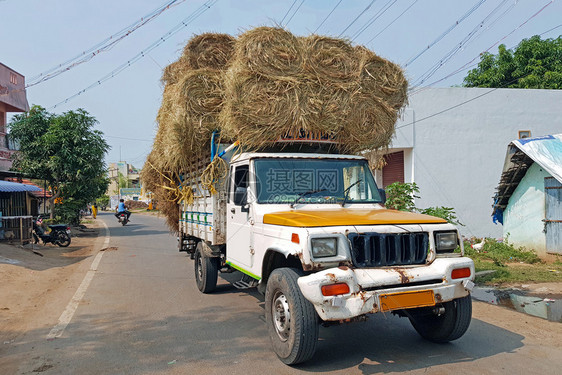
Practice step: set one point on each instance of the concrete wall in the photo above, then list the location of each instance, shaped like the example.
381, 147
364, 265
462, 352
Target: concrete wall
457, 155
525, 211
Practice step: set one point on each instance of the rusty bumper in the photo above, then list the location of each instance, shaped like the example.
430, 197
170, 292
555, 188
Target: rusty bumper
374, 290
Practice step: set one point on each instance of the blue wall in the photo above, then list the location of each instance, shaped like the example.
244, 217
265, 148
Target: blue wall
525, 211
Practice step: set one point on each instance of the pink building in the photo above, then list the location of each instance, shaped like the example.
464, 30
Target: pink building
12, 99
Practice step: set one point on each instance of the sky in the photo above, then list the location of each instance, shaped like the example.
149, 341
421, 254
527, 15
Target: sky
435, 41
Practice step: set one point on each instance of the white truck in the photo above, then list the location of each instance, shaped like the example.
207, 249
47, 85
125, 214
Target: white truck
310, 230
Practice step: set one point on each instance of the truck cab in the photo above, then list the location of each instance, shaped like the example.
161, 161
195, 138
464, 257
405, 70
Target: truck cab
312, 233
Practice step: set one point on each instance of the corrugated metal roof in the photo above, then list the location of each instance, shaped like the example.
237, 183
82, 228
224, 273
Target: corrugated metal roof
521, 154
12, 187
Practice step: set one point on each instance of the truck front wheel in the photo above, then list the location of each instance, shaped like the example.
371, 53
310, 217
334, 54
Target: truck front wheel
291, 319
444, 326
206, 270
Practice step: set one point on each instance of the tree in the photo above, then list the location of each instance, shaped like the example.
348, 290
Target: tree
534, 64
65, 151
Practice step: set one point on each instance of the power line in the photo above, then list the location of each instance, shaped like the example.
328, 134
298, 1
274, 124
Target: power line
471, 62
289, 20
356, 18
288, 10
192, 17
467, 39
329, 14
372, 20
394, 20
547, 31
465, 102
434, 42
102, 46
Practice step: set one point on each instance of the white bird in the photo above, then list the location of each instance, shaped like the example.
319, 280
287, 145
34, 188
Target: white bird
479, 246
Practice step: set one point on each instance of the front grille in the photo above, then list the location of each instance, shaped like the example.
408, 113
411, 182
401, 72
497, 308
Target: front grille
388, 249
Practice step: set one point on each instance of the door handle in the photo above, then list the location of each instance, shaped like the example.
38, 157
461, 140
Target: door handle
233, 210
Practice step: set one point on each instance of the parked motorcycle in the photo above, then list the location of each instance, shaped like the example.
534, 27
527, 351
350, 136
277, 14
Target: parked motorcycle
59, 234
122, 217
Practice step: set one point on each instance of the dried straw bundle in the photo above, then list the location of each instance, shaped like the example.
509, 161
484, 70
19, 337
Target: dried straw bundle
202, 94
382, 79
370, 125
209, 51
270, 52
174, 72
330, 61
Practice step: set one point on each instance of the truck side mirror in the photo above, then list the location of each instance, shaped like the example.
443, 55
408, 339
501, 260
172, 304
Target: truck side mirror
383, 195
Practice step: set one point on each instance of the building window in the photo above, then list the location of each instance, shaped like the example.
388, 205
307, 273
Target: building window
13, 79
524, 134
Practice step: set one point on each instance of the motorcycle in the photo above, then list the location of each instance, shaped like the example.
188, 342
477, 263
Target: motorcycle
123, 218
59, 234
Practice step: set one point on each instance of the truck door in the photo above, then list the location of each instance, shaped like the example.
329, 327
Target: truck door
239, 235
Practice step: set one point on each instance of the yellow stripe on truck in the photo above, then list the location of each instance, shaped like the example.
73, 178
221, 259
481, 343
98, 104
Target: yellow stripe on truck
346, 216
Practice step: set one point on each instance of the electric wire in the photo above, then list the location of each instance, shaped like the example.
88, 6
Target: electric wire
356, 18
100, 47
328, 16
473, 63
464, 102
289, 20
192, 17
372, 20
446, 32
288, 10
458, 47
394, 20
549, 30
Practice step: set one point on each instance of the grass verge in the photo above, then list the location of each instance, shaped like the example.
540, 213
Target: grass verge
511, 264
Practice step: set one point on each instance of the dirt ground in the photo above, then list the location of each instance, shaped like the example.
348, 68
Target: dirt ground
34, 287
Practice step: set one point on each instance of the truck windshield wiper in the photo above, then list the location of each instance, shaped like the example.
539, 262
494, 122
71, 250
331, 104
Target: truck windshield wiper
346, 191
303, 194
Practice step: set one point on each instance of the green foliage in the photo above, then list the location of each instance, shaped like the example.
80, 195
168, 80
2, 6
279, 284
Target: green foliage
69, 211
103, 201
501, 252
447, 213
123, 181
65, 151
400, 196
533, 64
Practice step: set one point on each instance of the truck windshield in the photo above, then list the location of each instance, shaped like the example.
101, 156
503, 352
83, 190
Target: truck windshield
285, 180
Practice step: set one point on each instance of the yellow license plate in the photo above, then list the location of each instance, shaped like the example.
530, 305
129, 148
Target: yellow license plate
406, 300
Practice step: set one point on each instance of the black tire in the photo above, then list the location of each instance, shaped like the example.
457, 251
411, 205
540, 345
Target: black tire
206, 270
124, 222
291, 320
448, 326
63, 239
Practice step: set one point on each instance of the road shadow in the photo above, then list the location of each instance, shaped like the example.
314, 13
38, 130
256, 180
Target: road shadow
223, 339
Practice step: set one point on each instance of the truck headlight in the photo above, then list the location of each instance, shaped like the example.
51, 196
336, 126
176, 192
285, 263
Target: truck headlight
445, 241
324, 247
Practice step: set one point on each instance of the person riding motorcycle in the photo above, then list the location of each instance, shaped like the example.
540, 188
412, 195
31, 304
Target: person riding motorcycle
122, 209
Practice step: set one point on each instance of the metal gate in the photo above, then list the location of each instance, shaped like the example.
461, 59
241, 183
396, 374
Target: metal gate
553, 215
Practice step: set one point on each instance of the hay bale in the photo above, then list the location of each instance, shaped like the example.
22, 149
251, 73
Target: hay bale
370, 124
330, 61
271, 52
202, 94
174, 72
382, 78
209, 51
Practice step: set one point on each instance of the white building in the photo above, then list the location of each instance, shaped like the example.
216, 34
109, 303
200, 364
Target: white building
451, 142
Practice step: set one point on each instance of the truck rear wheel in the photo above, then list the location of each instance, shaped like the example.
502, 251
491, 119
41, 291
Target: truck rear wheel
291, 320
206, 270
447, 326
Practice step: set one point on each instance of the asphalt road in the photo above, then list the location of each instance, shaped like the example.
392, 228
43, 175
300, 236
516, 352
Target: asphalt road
142, 314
